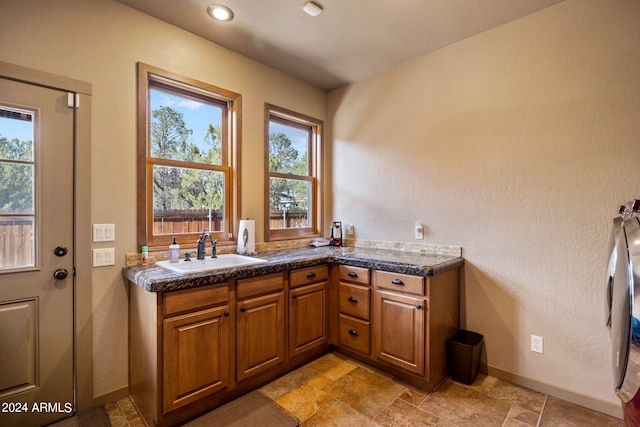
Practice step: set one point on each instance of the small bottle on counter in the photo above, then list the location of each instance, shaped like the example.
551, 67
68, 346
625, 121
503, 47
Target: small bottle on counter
145, 254
174, 251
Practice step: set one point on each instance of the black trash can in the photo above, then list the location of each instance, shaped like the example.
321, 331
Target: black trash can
463, 356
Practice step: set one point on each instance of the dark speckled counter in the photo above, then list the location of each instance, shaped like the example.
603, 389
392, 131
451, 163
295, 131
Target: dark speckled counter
157, 279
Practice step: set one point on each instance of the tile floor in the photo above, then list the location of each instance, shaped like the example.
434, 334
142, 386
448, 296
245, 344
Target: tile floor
340, 392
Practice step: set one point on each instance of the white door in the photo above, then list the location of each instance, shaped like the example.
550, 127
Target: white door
36, 255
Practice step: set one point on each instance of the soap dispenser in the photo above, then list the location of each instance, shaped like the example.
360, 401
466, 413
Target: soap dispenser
174, 251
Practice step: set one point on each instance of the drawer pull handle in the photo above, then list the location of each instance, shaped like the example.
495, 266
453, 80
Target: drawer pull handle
310, 275
397, 282
419, 307
243, 309
353, 274
352, 299
353, 332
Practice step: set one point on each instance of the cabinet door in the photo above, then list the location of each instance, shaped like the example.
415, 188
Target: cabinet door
399, 330
260, 334
308, 318
196, 356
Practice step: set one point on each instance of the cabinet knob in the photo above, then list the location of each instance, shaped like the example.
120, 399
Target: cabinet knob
353, 332
397, 282
226, 314
294, 296
353, 274
419, 307
352, 299
243, 309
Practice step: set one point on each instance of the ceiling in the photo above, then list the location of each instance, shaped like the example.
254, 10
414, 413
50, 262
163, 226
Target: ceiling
349, 40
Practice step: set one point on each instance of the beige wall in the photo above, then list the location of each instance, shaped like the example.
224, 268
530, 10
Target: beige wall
99, 42
517, 144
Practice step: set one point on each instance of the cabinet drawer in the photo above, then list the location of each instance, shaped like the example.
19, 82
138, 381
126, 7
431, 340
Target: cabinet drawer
247, 288
400, 282
354, 300
355, 334
354, 274
195, 299
305, 276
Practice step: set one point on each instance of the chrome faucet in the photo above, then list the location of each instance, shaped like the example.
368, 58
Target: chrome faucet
201, 242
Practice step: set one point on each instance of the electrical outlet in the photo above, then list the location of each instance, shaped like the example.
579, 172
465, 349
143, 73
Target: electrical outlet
537, 344
350, 230
419, 228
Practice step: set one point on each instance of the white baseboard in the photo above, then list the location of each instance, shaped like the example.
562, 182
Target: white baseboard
612, 409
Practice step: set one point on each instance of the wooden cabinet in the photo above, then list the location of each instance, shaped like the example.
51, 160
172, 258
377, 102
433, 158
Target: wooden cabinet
400, 326
180, 350
413, 317
192, 350
196, 351
260, 324
308, 311
354, 303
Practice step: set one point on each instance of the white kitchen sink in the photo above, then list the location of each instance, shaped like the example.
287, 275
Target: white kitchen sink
210, 264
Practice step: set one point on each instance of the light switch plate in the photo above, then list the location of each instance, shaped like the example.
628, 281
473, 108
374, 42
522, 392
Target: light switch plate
104, 257
104, 232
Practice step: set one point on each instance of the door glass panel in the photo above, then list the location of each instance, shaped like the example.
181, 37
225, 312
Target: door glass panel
17, 189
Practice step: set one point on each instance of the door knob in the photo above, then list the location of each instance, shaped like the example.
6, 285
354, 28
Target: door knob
60, 274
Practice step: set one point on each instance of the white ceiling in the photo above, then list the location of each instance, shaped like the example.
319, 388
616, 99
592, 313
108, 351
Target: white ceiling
349, 40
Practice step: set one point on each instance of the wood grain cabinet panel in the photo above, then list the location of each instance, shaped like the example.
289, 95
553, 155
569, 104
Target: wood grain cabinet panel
354, 274
196, 356
355, 300
355, 334
306, 276
308, 318
260, 334
400, 330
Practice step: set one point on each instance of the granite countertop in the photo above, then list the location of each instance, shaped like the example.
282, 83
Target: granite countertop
157, 279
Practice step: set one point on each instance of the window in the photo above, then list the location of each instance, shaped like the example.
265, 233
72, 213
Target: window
187, 174
17, 189
292, 186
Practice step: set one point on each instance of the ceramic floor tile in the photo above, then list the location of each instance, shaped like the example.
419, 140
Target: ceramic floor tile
331, 366
127, 408
517, 396
365, 391
304, 401
288, 382
337, 414
560, 413
465, 407
402, 414
519, 417
413, 396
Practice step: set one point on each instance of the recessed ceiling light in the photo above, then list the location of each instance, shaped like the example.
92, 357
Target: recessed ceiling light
220, 13
312, 8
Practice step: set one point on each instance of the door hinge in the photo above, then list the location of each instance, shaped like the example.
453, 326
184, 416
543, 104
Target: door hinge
73, 100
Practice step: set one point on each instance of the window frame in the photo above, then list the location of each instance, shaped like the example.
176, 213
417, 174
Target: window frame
314, 177
153, 77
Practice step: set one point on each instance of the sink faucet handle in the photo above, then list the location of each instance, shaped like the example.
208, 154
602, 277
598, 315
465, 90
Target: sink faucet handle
214, 248
187, 256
